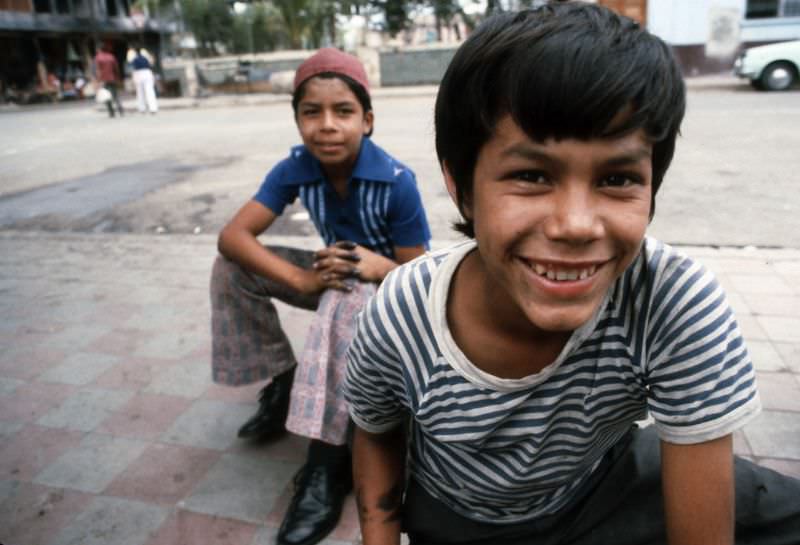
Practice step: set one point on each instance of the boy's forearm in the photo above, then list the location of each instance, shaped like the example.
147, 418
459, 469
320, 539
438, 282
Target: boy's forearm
378, 474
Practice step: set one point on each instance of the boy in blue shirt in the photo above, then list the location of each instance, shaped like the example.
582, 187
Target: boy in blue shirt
366, 207
513, 367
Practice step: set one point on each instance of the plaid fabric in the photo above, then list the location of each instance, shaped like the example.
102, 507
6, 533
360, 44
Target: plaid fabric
318, 408
249, 344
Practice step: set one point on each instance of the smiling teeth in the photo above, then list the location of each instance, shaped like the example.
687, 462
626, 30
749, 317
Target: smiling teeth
560, 275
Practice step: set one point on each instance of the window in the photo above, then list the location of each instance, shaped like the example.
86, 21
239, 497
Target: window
42, 6
111, 8
760, 9
791, 8
62, 6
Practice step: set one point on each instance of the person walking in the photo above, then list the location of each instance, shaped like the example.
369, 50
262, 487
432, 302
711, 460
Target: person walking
107, 72
142, 64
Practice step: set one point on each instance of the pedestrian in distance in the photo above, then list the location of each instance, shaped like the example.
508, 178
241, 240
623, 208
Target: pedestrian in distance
514, 367
366, 207
107, 72
141, 63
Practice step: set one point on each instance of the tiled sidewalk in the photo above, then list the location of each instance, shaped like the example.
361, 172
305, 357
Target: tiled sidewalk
112, 433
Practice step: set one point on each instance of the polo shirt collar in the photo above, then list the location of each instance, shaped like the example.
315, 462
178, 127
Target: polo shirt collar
372, 164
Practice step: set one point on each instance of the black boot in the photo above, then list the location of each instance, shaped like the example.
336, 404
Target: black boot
270, 418
321, 487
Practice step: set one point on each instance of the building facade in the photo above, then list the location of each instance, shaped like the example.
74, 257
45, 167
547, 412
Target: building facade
47, 46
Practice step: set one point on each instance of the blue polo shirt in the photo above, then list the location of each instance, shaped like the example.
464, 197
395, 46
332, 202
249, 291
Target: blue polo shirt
382, 209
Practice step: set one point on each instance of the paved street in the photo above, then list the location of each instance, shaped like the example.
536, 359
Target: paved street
110, 429
191, 168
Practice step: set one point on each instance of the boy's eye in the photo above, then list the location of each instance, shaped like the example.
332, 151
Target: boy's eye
620, 180
529, 176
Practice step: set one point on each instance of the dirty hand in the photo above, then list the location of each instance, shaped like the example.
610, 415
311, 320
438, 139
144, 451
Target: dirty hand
372, 267
334, 264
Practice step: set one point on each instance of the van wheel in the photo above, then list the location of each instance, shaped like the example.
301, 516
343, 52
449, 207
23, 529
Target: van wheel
778, 76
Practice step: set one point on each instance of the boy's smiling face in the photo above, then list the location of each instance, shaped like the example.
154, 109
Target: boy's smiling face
332, 122
556, 222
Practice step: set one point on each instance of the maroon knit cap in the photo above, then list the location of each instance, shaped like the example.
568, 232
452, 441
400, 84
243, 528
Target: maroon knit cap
329, 59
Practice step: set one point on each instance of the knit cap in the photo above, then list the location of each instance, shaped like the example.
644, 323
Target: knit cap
329, 59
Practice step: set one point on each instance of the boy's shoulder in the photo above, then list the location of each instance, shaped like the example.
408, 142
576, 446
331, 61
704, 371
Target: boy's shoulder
417, 277
375, 163
299, 167
664, 263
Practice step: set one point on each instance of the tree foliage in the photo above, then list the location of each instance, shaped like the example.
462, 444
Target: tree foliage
267, 25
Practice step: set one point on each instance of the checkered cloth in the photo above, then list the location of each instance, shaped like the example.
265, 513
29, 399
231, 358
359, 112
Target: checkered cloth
318, 409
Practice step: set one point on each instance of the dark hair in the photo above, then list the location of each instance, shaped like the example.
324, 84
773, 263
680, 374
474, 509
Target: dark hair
361, 94
561, 71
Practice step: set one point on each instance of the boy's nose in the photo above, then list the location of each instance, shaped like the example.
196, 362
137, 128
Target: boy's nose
328, 120
574, 218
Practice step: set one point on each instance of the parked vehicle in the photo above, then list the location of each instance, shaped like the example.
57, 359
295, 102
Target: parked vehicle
773, 67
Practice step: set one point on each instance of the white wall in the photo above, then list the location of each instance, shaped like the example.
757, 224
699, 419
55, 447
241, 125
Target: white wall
695, 22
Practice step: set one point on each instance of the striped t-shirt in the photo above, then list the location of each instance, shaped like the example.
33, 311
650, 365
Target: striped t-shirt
382, 208
663, 341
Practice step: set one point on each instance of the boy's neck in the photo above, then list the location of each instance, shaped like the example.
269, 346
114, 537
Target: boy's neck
339, 178
491, 331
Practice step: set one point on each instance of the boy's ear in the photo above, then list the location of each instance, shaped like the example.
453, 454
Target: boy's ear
369, 122
450, 182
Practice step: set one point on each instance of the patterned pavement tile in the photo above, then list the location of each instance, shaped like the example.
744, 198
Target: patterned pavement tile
133, 374
242, 487
774, 434
779, 391
787, 467
85, 409
35, 514
267, 534
9, 429
765, 357
167, 343
187, 528
774, 305
781, 328
25, 361
79, 368
145, 416
208, 424
119, 342
8, 385
186, 379
750, 328
755, 284
91, 465
116, 521
790, 353
163, 473
31, 401
32, 449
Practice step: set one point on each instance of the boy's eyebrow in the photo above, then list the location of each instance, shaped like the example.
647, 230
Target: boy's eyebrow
335, 104
627, 157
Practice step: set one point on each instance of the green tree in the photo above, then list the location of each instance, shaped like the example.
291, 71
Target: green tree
211, 22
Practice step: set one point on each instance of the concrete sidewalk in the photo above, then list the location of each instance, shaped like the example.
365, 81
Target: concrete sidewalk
112, 433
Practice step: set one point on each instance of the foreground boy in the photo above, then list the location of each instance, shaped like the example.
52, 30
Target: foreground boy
525, 356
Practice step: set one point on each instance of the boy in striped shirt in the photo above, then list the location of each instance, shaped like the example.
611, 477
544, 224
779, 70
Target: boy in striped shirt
525, 355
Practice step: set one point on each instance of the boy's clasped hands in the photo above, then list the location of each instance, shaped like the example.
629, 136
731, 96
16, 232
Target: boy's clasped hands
342, 260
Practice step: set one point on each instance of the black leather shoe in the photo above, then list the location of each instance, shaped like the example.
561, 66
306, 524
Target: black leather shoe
270, 418
315, 509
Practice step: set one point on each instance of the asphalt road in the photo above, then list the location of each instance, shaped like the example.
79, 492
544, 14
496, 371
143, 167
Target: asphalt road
735, 180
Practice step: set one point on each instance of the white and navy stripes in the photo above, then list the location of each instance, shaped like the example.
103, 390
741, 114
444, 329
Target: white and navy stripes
664, 342
380, 209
